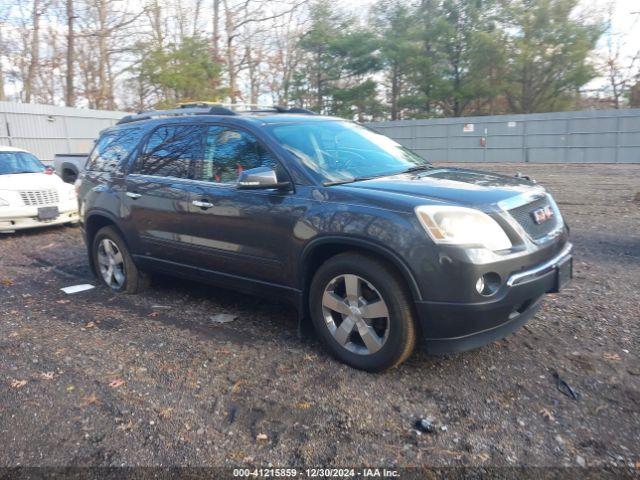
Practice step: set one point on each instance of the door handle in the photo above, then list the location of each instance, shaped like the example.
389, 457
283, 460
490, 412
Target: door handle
133, 195
202, 204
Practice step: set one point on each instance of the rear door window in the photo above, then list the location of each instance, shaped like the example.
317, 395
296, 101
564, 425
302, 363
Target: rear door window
170, 151
113, 149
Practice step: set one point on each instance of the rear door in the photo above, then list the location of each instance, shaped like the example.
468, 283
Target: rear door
157, 193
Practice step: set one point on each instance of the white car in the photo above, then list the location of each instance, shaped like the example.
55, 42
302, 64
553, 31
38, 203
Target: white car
30, 195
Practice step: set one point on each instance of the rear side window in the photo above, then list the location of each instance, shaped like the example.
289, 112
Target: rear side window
227, 152
170, 151
112, 149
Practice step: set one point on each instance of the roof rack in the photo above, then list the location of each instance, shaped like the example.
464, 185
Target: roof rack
202, 108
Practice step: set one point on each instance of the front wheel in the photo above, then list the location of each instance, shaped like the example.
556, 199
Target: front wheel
362, 311
113, 263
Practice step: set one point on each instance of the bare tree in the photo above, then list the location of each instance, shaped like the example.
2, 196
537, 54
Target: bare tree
619, 69
238, 15
216, 30
34, 52
70, 94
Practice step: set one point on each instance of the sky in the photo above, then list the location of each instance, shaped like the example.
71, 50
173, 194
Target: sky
625, 21
624, 32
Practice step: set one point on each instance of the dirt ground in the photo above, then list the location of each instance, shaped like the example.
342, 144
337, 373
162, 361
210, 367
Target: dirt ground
97, 379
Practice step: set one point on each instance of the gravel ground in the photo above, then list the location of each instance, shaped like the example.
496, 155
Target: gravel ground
97, 379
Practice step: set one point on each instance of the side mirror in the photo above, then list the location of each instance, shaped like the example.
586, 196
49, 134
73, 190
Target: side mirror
260, 178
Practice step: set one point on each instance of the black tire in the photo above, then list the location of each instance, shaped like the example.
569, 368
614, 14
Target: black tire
69, 176
388, 284
134, 279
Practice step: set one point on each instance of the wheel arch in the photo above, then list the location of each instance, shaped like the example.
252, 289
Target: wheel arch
93, 223
319, 251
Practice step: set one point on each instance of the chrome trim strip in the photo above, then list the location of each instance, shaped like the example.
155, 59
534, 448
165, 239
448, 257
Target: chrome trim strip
520, 277
519, 200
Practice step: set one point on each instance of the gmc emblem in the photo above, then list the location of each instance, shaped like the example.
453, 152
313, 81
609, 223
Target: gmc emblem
543, 214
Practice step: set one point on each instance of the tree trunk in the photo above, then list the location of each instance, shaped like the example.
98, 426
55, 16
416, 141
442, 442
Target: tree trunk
231, 68
216, 30
70, 94
395, 87
102, 56
35, 53
2, 94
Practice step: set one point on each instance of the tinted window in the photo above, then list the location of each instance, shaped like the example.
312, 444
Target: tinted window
170, 150
19, 162
227, 152
112, 149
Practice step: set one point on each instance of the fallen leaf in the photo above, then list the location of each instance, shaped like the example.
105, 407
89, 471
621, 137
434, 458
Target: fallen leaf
165, 412
47, 375
303, 405
62, 302
262, 437
547, 415
153, 314
125, 426
90, 400
483, 457
7, 282
89, 325
18, 383
118, 382
611, 356
236, 386
70, 388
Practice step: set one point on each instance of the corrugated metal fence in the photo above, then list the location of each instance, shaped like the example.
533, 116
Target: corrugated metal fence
46, 130
594, 136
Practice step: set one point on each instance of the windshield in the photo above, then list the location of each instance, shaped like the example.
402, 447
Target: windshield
19, 162
339, 151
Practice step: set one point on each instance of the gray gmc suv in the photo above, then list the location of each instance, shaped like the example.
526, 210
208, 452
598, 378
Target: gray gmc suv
377, 248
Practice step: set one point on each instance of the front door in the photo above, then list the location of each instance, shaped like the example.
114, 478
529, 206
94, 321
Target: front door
243, 233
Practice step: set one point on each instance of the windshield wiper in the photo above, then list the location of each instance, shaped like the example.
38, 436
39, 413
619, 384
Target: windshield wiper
351, 180
418, 168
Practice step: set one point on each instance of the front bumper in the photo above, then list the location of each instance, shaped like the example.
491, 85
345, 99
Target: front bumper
454, 327
20, 218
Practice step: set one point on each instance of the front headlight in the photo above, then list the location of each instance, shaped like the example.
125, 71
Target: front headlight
462, 226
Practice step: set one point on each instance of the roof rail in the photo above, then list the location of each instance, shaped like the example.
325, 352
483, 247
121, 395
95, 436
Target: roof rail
175, 112
205, 109
304, 111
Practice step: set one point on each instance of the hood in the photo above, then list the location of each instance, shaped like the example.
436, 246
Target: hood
29, 181
452, 185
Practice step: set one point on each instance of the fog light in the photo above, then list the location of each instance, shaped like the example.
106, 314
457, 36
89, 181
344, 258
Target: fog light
488, 284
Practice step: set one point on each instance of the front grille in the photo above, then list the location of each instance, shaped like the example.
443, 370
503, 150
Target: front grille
39, 198
523, 215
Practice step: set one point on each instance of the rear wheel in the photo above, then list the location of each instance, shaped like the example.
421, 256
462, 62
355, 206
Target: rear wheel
362, 311
113, 263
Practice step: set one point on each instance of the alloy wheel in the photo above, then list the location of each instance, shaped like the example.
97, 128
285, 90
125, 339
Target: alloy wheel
355, 314
111, 264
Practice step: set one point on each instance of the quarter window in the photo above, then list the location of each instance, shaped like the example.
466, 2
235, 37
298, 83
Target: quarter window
170, 151
112, 149
227, 152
